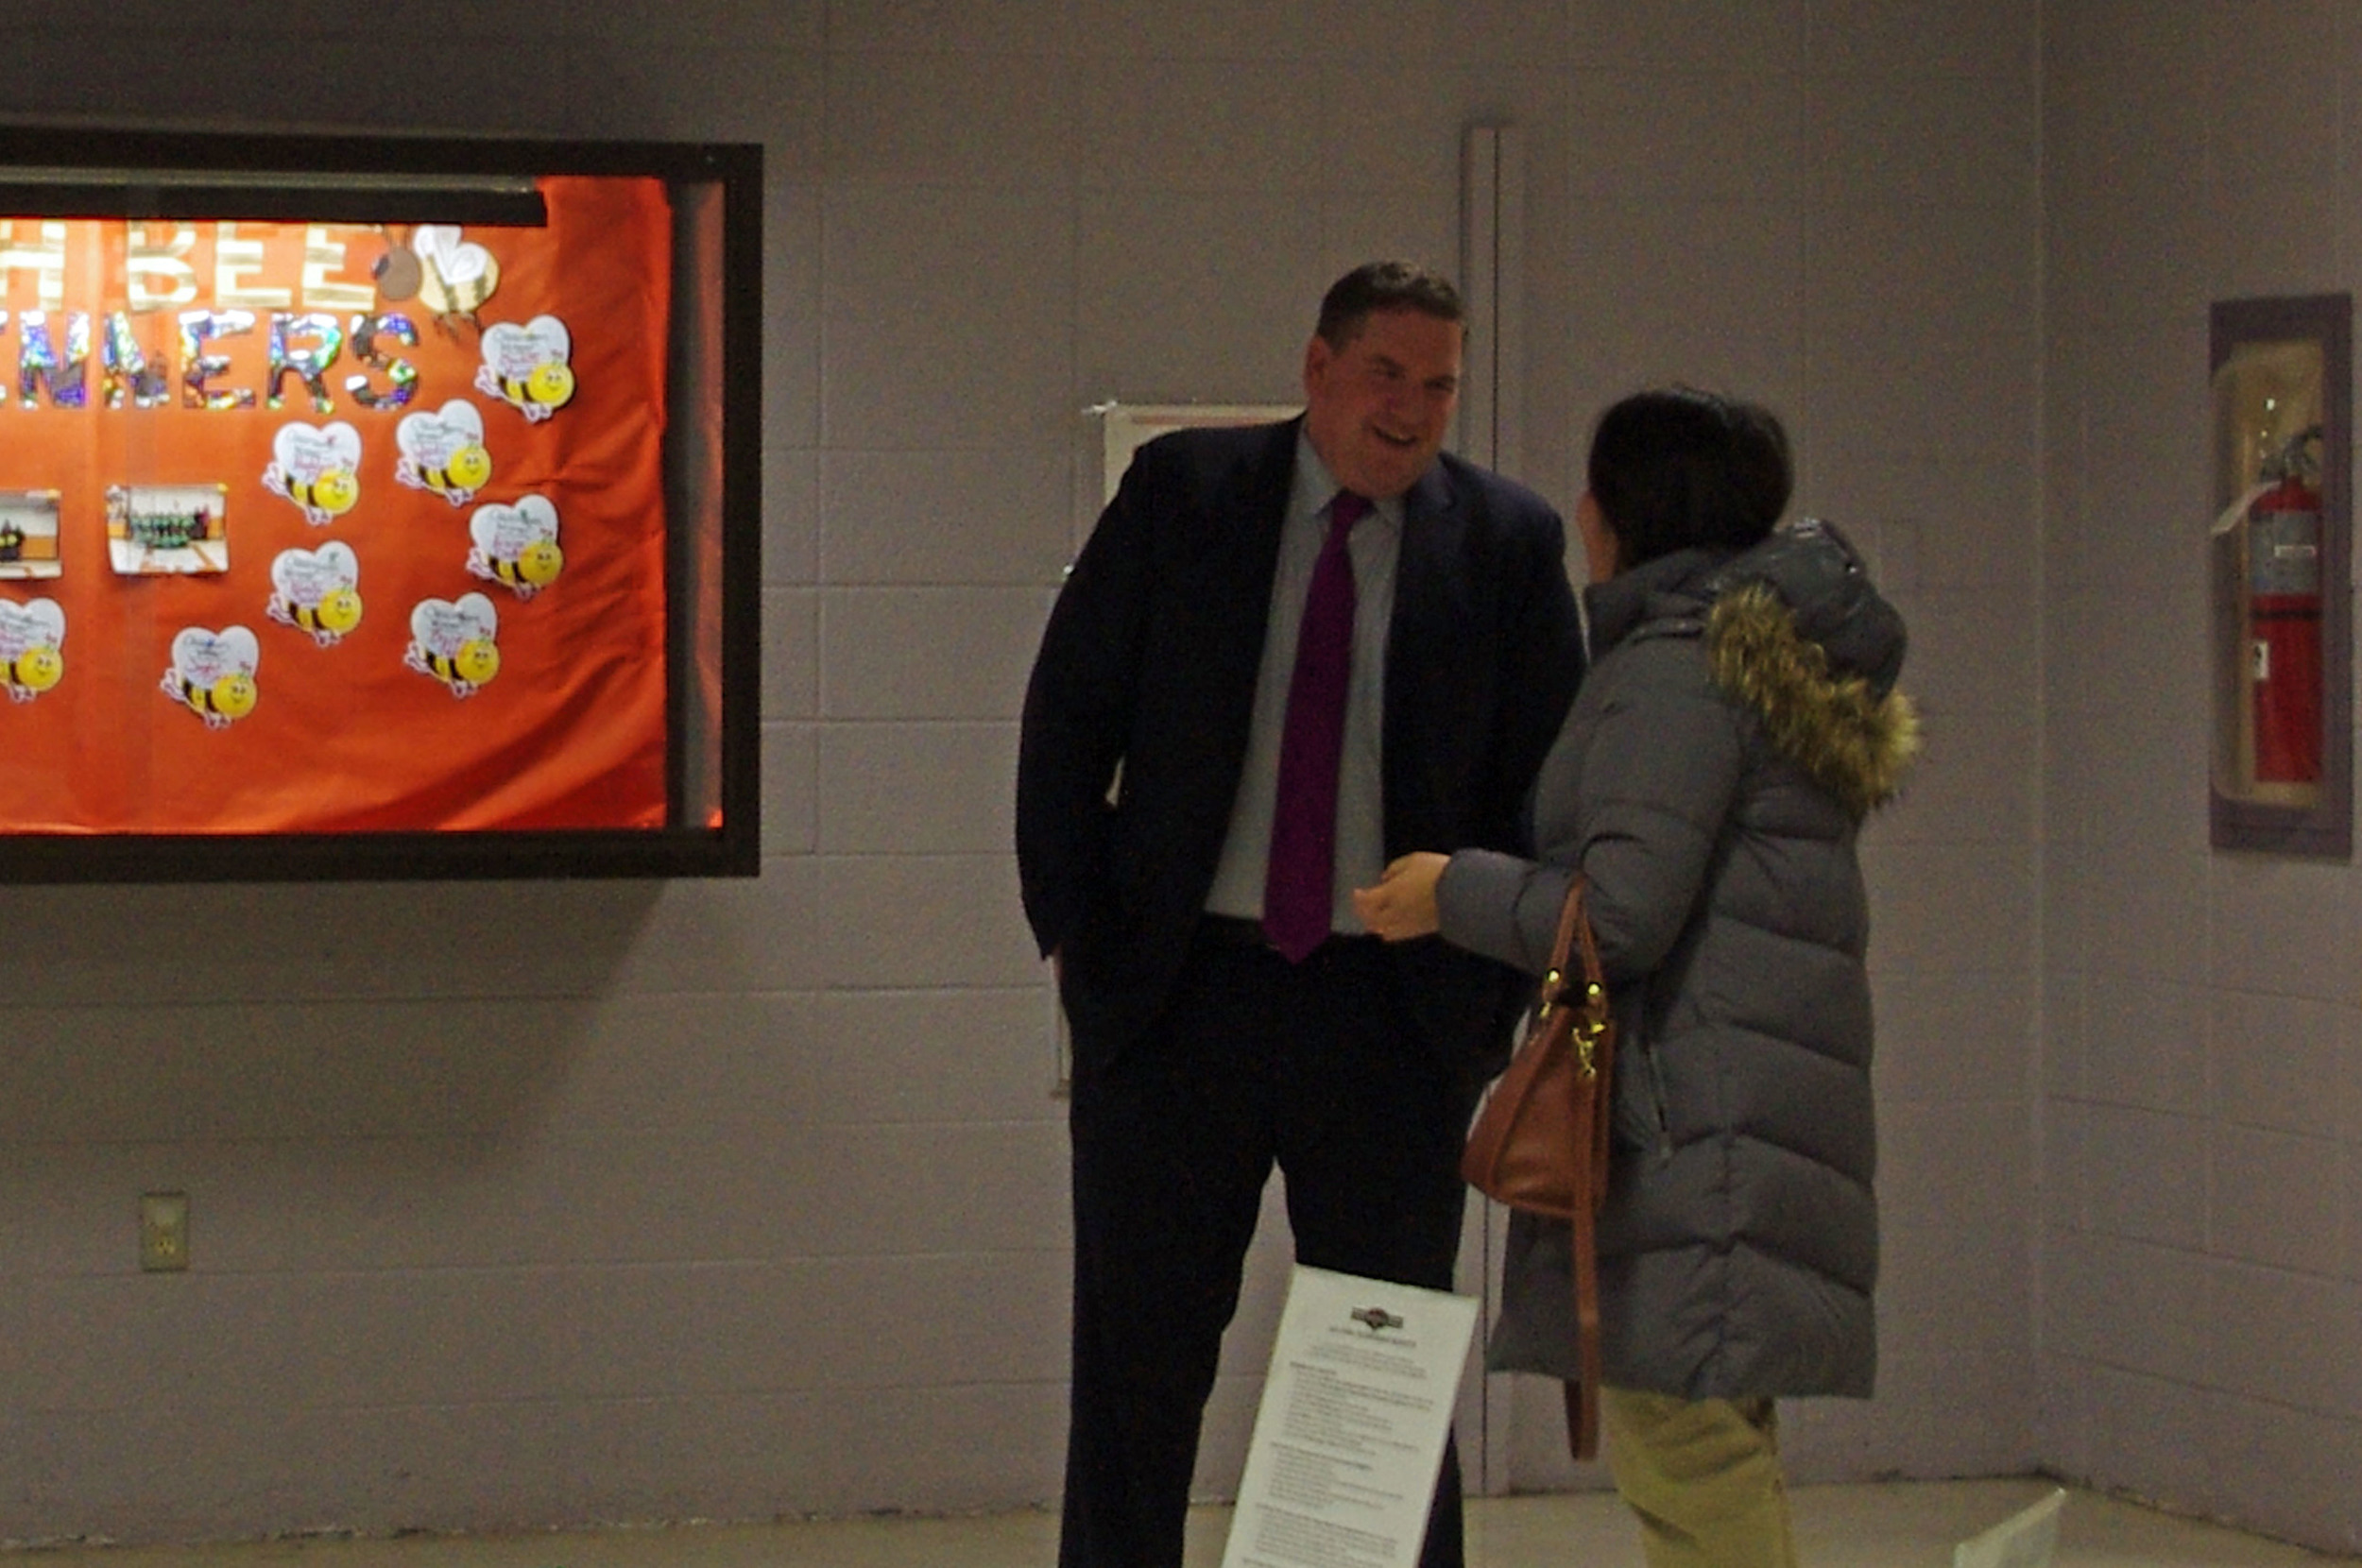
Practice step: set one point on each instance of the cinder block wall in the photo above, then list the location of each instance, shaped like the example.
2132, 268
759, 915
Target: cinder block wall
2201, 1092
537, 1204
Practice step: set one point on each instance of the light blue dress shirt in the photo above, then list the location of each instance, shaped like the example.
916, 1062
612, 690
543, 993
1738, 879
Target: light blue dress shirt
1376, 547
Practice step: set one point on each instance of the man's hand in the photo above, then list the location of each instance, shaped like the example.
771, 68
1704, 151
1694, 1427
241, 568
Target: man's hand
1402, 905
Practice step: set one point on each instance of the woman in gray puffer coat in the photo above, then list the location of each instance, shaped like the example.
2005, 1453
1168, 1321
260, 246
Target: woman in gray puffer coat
1738, 722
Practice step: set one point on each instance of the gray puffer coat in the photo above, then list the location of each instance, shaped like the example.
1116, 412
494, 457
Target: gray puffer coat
1738, 721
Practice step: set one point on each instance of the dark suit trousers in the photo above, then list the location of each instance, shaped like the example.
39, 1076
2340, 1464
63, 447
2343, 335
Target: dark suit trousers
1314, 1066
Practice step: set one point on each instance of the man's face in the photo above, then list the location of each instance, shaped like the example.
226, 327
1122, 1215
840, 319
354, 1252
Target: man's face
1378, 409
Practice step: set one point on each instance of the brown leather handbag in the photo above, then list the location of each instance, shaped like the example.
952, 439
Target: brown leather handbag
1540, 1141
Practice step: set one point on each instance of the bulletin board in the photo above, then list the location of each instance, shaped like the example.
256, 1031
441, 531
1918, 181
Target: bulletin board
335, 531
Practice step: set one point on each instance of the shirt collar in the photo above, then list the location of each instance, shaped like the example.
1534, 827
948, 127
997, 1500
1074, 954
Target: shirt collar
1314, 485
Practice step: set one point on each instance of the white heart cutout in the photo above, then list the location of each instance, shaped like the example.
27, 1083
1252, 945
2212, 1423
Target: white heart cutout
307, 576
516, 353
39, 624
204, 656
503, 532
431, 439
443, 626
305, 453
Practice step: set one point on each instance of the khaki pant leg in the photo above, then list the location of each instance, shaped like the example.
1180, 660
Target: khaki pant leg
1703, 1477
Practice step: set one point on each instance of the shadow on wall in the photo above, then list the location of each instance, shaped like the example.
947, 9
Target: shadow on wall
316, 1009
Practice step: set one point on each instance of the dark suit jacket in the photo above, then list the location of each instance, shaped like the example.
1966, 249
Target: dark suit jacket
1149, 664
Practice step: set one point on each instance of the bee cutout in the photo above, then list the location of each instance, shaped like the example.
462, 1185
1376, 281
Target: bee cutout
320, 470
455, 276
517, 546
31, 662
316, 591
456, 643
212, 673
527, 367
442, 451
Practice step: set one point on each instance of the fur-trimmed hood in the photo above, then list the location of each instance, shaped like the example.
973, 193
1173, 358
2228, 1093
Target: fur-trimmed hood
1794, 630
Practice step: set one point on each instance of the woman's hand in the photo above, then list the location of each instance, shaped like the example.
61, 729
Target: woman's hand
1402, 905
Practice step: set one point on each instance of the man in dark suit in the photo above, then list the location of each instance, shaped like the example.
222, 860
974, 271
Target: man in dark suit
1187, 856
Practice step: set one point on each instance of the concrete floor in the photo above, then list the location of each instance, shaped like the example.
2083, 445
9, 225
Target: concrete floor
1896, 1526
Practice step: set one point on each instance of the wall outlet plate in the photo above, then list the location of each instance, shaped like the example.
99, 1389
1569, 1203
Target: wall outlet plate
164, 1232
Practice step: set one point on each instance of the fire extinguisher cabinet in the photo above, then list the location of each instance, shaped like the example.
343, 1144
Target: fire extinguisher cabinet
2281, 767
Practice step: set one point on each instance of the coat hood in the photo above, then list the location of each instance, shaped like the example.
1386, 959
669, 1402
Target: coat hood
1796, 632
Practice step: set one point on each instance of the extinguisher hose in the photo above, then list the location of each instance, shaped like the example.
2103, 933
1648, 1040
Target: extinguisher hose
2236, 513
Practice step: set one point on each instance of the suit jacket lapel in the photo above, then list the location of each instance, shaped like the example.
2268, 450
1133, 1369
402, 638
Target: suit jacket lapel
1244, 560
1221, 615
1432, 607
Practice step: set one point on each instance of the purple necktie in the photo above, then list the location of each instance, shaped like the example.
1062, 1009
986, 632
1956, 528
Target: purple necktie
1299, 888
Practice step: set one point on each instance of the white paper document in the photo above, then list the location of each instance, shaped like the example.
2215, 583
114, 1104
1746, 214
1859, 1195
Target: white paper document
1350, 1433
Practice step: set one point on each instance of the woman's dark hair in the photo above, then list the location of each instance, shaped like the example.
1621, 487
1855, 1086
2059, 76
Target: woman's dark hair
1680, 468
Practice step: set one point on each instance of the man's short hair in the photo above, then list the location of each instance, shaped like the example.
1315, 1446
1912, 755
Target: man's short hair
1385, 286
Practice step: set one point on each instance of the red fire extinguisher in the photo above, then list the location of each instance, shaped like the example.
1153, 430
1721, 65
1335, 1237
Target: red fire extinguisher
2285, 617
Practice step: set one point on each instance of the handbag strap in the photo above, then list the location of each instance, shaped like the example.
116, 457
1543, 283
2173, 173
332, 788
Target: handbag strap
1572, 929
1575, 916
1576, 938
1594, 1042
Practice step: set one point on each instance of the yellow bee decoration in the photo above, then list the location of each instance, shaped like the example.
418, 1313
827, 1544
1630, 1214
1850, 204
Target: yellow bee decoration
536, 567
551, 385
477, 663
469, 470
212, 673
316, 591
35, 671
457, 643
443, 451
223, 701
548, 389
333, 492
517, 546
320, 470
527, 367
31, 662
334, 616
